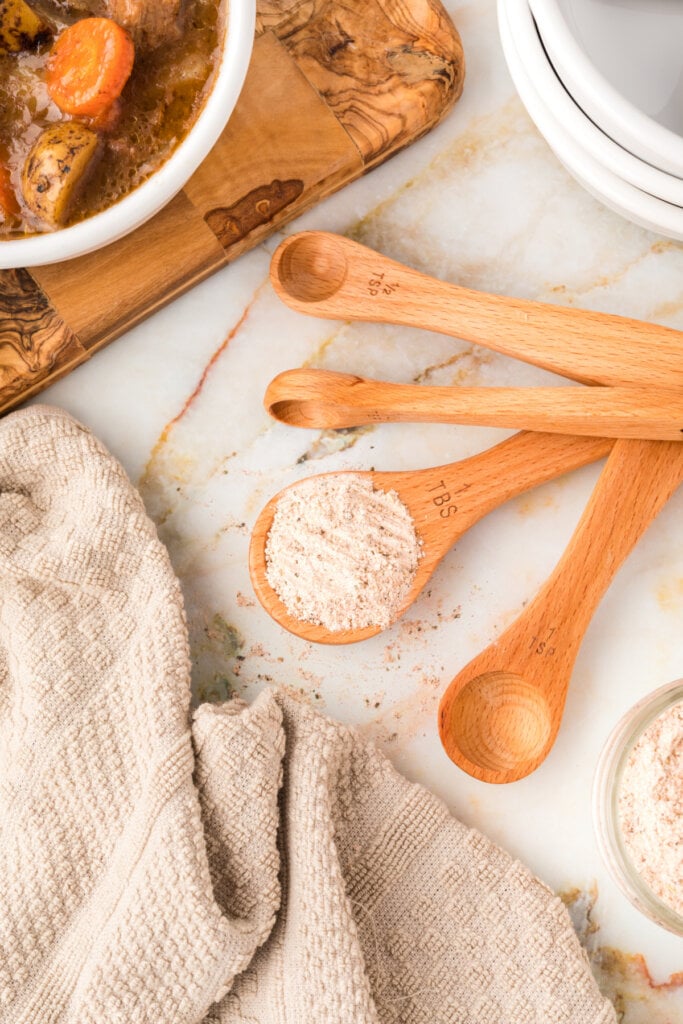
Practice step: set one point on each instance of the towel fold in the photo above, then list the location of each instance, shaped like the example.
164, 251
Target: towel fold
257, 864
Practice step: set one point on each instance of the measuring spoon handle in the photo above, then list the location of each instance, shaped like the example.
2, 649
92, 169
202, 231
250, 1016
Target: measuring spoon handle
458, 495
499, 717
595, 348
638, 479
323, 399
542, 643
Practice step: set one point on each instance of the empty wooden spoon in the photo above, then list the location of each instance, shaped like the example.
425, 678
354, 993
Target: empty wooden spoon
500, 715
444, 502
327, 275
324, 399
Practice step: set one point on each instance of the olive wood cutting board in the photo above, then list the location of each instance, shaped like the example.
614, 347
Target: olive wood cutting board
334, 88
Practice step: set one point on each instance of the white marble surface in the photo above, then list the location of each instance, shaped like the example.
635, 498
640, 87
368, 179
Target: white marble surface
482, 201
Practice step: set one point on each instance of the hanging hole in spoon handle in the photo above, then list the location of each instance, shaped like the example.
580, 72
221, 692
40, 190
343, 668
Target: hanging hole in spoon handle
322, 274
500, 715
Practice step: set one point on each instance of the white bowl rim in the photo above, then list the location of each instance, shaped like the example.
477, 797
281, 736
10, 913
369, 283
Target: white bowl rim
148, 198
650, 212
618, 117
607, 152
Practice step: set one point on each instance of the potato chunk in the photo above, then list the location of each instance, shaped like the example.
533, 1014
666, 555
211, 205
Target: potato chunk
20, 26
56, 168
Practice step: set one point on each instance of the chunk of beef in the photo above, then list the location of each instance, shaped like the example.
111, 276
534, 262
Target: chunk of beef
58, 9
150, 22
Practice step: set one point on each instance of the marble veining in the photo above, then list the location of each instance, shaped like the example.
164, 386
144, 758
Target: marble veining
482, 201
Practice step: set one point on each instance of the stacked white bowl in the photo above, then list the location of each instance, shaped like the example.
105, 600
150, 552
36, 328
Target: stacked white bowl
603, 81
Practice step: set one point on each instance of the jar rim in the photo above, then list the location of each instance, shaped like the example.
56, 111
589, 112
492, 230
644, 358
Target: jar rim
606, 788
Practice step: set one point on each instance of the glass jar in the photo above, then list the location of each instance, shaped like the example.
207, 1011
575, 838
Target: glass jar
606, 790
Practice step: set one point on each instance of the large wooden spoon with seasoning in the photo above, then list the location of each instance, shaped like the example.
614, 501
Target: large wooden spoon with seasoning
327, 275
500, 715
327, 400
444, 503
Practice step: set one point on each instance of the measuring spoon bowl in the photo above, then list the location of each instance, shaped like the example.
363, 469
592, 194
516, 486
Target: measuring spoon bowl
444, 503
501, 722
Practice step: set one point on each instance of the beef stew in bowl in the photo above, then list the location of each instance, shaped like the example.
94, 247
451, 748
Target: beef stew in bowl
106, 108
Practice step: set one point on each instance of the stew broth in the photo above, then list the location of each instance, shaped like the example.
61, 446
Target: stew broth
156, 109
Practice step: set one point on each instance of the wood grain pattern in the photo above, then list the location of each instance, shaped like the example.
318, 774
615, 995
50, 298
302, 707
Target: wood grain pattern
408, 74
100, 296
444, 503
231, 224
500, 715
35, 343
327, 275
282, 17
325, 400
334, 87
270, 164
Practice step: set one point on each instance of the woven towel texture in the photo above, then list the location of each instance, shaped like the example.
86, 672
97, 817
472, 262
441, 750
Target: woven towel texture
257, 864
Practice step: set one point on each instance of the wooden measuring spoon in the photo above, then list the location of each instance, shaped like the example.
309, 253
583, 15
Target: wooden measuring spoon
330, 276
500, 715
444, 502
323, 399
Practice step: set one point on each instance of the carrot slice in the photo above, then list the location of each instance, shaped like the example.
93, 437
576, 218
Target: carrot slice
89, 65
9, 207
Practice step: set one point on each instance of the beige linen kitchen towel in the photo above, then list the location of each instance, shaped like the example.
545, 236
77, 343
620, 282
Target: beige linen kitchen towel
260, 864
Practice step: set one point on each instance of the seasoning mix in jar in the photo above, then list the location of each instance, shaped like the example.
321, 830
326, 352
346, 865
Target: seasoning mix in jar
638, 805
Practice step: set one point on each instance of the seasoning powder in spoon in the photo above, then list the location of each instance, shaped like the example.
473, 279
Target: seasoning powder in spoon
341, 553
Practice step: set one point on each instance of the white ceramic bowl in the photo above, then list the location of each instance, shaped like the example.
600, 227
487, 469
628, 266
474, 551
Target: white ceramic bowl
541, 98
612, 156
621, 61
146, 200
